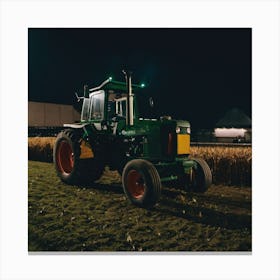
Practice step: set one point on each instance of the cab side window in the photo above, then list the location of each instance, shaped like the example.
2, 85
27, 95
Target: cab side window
85, 110
121, 107
97, 105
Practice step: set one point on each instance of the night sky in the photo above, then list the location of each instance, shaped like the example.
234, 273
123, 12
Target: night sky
193, 74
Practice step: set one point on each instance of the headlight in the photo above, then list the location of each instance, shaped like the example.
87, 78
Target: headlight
183, 130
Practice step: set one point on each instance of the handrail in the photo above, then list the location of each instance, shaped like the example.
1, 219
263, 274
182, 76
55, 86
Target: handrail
102, 85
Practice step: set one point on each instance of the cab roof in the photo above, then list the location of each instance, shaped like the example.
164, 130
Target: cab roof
110, 84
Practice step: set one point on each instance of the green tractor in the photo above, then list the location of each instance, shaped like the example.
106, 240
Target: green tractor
146, 152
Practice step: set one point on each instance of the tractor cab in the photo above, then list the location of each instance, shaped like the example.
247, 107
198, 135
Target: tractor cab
110, 103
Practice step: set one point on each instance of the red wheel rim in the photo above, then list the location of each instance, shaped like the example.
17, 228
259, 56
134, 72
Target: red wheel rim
135, 184
65, 157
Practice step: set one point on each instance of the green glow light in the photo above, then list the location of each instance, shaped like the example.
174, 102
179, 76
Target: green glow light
110, 78
142, 85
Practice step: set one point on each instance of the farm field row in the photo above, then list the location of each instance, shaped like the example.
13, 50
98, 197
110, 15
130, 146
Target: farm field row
100, 218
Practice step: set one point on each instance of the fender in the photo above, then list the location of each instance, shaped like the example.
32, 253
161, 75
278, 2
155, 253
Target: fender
86, 151
75, 125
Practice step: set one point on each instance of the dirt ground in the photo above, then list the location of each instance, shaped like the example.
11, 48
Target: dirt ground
100, 218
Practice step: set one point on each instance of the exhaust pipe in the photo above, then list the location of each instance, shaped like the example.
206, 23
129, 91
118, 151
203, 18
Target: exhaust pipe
129, 107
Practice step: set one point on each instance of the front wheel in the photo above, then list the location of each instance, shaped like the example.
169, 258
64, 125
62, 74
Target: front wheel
141, 183
200, 177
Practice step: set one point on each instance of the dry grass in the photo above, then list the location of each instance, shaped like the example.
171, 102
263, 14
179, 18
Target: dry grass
229, 165
41, 148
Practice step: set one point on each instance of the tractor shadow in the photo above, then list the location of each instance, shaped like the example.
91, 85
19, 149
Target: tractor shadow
168, 205
203, 214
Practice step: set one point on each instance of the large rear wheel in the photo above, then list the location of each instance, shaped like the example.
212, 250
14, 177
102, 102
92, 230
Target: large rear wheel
70, 167
141, 183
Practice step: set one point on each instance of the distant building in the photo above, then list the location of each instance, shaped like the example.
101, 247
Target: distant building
47, 119
235, 126
50, 115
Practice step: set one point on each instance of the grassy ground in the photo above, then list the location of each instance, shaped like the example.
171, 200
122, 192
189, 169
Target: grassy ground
100, 218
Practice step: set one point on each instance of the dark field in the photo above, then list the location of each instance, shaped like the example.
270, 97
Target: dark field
100, 218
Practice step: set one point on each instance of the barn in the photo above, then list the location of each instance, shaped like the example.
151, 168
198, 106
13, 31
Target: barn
45, 118
235, 126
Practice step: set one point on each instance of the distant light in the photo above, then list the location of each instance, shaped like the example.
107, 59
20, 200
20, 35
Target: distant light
142, 85
110, 78
230, 132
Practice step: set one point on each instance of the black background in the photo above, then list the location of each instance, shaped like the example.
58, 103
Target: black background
193, 74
